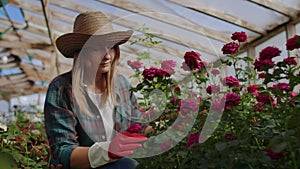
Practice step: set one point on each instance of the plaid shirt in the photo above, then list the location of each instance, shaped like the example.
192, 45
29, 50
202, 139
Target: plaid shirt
63, 127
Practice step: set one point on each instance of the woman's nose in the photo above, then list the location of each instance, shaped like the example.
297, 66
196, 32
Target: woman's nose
106, 56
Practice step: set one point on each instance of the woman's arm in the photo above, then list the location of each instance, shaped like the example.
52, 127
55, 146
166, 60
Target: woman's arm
79, 158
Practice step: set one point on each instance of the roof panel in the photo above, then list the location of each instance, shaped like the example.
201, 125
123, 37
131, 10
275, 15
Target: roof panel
203, 25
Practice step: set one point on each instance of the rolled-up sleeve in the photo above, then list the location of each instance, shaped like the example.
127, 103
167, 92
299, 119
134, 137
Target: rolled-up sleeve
130, 102
60, 123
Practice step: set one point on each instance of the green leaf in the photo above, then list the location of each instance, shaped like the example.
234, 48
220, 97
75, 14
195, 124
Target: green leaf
7, 161
139, 86
220, 146
247, 59
144, 55
277, 72
142, 104
292, 121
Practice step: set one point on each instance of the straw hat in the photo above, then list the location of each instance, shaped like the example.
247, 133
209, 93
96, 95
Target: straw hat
90, 29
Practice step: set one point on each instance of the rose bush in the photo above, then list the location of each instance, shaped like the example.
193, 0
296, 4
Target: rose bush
213, 120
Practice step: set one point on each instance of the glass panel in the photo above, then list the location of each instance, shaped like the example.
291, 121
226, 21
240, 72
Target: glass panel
14, 13
10, 71
290, 3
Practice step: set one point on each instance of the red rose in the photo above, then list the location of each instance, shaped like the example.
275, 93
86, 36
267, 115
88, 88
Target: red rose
229, 136
274, 155
282, 86
135, 128
213, 89
268, 53
173, 101
134, 64
252, 89
232, 99
230, 48
261, 65
192, 61
258, 106
193, 139
290, 61
239, 36
154, 72
230, 81
293, 43
262, 75
177, 89
265, 98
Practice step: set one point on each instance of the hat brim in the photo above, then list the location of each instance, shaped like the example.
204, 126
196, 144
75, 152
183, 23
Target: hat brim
69, 43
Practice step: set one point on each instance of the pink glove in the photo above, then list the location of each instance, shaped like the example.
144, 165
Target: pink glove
124, 143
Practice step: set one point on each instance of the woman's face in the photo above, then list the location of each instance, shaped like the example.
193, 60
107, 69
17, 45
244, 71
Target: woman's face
100, 60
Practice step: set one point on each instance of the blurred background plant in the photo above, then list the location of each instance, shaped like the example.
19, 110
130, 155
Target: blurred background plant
23, 142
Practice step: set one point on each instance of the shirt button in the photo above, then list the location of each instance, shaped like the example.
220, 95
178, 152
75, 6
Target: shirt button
103, 137
98, 117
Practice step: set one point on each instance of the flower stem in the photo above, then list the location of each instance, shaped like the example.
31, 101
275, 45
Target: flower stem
178, 161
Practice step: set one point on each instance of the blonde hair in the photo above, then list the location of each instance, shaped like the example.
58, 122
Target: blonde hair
78, 88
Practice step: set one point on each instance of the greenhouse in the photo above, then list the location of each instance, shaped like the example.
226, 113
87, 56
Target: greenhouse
158, 84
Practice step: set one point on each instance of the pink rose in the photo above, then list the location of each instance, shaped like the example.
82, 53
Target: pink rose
268, 53
135, 128
230, 48
217, 106
168, 66
239, 36
293, 94
290, 61
293, 43
230, 81
188, 105
134, 64
192, 140
215, 71
165, 145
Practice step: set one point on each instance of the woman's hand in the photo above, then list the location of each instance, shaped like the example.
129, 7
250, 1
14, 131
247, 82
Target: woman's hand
124, 143
148, 130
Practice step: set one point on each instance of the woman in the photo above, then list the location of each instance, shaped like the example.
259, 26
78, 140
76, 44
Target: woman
88, 109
